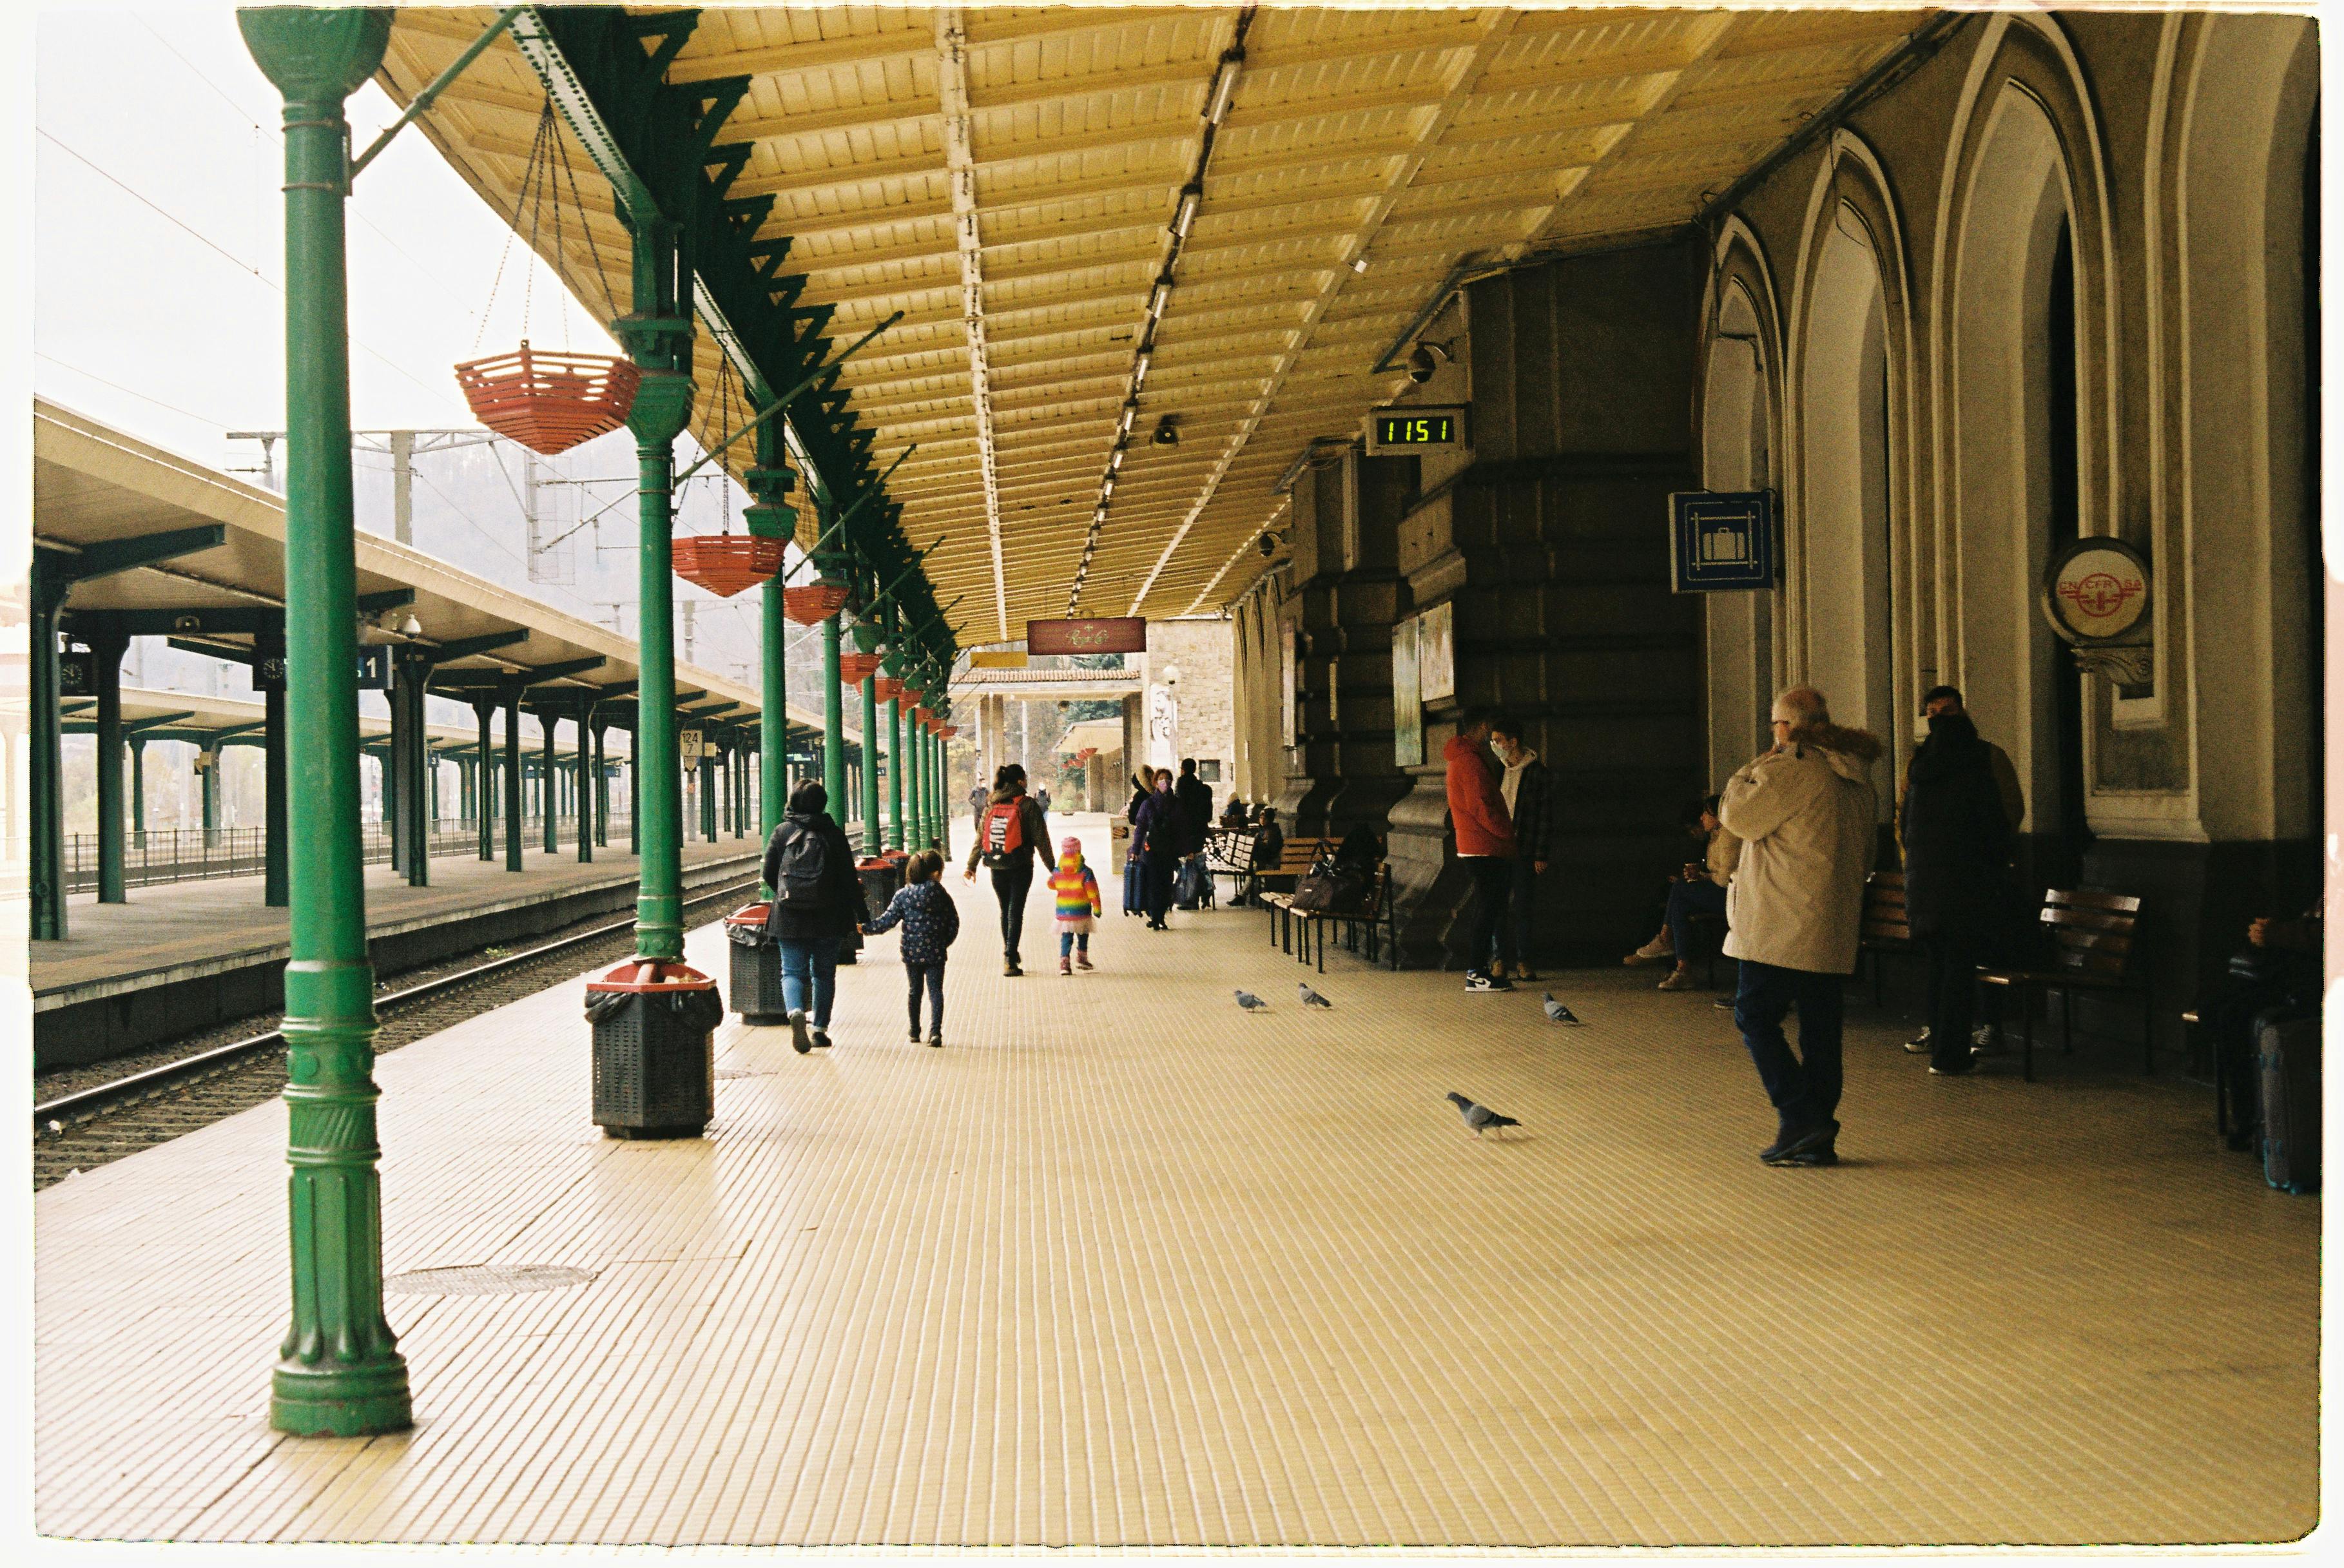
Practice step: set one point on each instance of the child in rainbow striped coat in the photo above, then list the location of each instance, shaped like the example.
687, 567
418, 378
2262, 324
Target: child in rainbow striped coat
1078, 892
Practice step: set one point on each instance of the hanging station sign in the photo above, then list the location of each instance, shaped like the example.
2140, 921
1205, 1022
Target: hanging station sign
1723, 540
373, 671
1400, 432
1099, 635
2097, 594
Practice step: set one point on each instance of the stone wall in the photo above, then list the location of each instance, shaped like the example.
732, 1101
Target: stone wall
1205, 725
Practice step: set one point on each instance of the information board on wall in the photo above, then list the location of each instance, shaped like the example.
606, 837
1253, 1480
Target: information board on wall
1408, 701
1099, 635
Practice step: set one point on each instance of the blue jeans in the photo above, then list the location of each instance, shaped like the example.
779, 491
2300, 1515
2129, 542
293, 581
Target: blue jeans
1805, 1087
930, 977
810, 962
1068, 939
1686, 898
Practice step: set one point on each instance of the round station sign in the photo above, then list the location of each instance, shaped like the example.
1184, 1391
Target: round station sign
2096, 590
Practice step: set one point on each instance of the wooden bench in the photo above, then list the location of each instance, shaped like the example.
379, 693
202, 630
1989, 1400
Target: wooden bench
1887, 929
1293, 859
2091, 950
1376, 917
1229, 852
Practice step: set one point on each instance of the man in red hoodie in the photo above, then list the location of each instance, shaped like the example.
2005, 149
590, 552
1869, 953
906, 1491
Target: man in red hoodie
1485, 843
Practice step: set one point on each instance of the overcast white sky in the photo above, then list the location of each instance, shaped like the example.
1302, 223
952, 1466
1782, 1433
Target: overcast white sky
159, 241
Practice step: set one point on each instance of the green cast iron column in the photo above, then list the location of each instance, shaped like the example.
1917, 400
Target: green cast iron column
663, 407
210, 789
635, 782
773, 732
484, 790
340, 1372
871, 841
106, 672
516, 797
833, 723
893, 730
46, 786
139, 791
549, 721
581, 788
276, 875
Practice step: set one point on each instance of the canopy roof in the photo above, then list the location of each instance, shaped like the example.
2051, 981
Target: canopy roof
93, 484
199, 719
1011, 179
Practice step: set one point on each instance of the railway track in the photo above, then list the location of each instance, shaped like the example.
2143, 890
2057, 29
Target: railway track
97, 1123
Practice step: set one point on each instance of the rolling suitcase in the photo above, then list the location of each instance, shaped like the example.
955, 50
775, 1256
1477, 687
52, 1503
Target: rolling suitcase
2286, 1058
1135, 877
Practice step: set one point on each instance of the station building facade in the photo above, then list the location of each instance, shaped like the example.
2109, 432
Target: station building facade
2056, 279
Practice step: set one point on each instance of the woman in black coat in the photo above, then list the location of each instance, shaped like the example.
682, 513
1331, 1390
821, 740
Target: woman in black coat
1956, 843
1159, 831
817, 905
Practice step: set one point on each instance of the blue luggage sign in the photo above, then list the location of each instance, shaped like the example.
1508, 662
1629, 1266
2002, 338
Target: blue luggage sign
1722, 540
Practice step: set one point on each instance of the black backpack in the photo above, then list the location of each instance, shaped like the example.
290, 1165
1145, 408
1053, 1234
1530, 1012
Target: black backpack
804, 873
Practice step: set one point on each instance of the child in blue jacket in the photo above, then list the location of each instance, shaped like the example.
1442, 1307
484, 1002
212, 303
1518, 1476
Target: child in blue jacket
930, 921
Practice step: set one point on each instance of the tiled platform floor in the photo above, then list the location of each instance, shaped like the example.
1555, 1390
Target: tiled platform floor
1122, 1265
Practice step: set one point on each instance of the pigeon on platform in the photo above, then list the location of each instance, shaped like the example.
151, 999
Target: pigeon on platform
1557, 1012
1311, 999
1251, 1003
1478, 1116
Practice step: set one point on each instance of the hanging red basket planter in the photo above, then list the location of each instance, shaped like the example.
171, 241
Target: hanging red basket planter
811, 603
550, 403
725, 564
853, 669
949, 731
888, 688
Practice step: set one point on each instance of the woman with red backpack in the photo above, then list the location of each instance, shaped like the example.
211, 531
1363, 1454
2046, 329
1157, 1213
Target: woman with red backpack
1011, 836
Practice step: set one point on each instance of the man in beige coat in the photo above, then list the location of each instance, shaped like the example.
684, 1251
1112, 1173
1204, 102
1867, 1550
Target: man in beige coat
1806, 813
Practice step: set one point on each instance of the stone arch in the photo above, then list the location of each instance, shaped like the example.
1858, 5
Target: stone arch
2247, 91
2023, 183
1849, 442
1740, 419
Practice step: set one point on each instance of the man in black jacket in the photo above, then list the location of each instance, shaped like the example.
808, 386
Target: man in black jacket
1529, 791
1195, 796
1955, 834
1013, 870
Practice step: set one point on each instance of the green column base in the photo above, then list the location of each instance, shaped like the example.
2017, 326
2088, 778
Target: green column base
358, 1399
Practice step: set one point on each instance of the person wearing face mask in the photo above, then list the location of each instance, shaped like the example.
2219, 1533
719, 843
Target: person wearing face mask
1955, 833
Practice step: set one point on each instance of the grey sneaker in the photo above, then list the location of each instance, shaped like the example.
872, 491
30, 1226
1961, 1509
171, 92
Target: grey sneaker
1919, 1044
1985, 1040
799, 1040
1475, 981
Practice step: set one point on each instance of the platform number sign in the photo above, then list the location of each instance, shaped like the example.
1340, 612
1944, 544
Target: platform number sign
688, 741
1723, 540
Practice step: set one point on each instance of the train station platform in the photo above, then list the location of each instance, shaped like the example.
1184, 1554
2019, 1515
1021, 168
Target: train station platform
1123, 1265
179, 956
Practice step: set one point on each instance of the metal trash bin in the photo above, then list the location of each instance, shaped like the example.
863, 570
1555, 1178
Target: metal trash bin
882, 875
756, 969
654, 1049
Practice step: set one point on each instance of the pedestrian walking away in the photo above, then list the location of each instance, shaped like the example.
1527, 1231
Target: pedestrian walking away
1527, 790
1957, 837
1076, 893
1485, 843
1805, 812
817, 904
930, 921
1012, 837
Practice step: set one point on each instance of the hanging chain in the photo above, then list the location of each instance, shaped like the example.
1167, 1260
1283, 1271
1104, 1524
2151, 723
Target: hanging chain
602, 272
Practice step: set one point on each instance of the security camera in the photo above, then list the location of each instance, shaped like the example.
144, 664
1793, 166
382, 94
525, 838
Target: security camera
1167, 431
1426, 361
1268, 544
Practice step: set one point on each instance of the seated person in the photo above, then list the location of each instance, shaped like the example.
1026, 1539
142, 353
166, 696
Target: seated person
1698, 888
2280, 968
1234, 814
1270, 839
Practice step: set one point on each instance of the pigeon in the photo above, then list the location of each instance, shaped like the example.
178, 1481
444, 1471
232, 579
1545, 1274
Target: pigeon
1311, 999
1251, 1003
1557, 1012
1478, 1116
57, 1126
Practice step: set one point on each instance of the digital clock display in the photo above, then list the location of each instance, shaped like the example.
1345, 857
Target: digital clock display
1416, 430
1399, 431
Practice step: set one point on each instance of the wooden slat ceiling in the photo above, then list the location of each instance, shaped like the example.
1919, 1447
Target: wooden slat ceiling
1410, 140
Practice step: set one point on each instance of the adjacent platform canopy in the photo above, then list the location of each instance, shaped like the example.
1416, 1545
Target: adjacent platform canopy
94, 486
